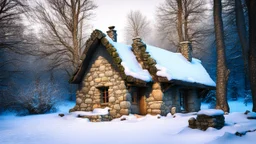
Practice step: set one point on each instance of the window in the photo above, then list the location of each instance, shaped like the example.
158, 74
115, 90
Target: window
134, 98
104, 94
181, 101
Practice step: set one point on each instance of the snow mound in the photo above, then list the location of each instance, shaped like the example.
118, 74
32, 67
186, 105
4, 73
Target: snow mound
96, 111
211, 112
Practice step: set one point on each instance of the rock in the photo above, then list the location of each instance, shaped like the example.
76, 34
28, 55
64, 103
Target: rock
150, 99
115, 87
156, 86
118, 92
80, 95
125, 104
97, 80
123, 119
89, 78
122, 86
124, 112
88, 100
102, 68
83, 105
155, 106
95, 75
246, 112
101, 75
173, 110
97, 63
109, 73
117, 107
91, 83
78, 100
112, 99
96, 106
90, 92
192, 123
155, 112
104, 79
121, 98
85, 89
157, 94
61, 115
112, 112
116, 76
108, 84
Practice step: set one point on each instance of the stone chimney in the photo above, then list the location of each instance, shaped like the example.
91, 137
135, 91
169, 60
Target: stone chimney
186, 50
112, 33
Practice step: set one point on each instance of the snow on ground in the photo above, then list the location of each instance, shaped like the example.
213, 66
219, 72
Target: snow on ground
52, 129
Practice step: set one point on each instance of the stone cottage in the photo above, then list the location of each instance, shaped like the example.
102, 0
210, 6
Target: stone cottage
138, 79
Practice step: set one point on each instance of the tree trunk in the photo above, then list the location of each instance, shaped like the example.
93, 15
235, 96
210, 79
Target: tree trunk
179, 20
241, 29
186, 14
222, 71
251, 5
75, 18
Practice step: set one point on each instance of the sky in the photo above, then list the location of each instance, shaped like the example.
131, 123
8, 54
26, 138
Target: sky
114, 12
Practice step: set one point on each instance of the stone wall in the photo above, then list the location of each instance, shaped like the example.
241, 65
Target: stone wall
102, 73
203, 122
170, 99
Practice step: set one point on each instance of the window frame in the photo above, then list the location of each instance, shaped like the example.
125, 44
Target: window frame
104, 95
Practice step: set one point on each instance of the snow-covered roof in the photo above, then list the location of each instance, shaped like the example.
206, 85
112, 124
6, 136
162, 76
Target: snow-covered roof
129, 61
171, 65
174, 66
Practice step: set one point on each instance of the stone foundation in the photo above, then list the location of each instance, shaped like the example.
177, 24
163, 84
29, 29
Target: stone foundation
203, 122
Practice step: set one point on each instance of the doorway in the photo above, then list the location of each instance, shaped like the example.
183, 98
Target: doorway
139, 105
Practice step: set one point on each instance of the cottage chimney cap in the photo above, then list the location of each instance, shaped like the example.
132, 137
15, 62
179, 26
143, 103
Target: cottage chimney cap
111, 27
185, 42
137, 38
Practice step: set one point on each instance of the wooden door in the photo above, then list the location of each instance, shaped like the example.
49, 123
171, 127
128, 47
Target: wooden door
142, 102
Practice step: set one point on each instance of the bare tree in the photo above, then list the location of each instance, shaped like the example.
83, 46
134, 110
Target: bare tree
11, 37
63, 29
137, 25
251, 5
182, 20
222, 71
